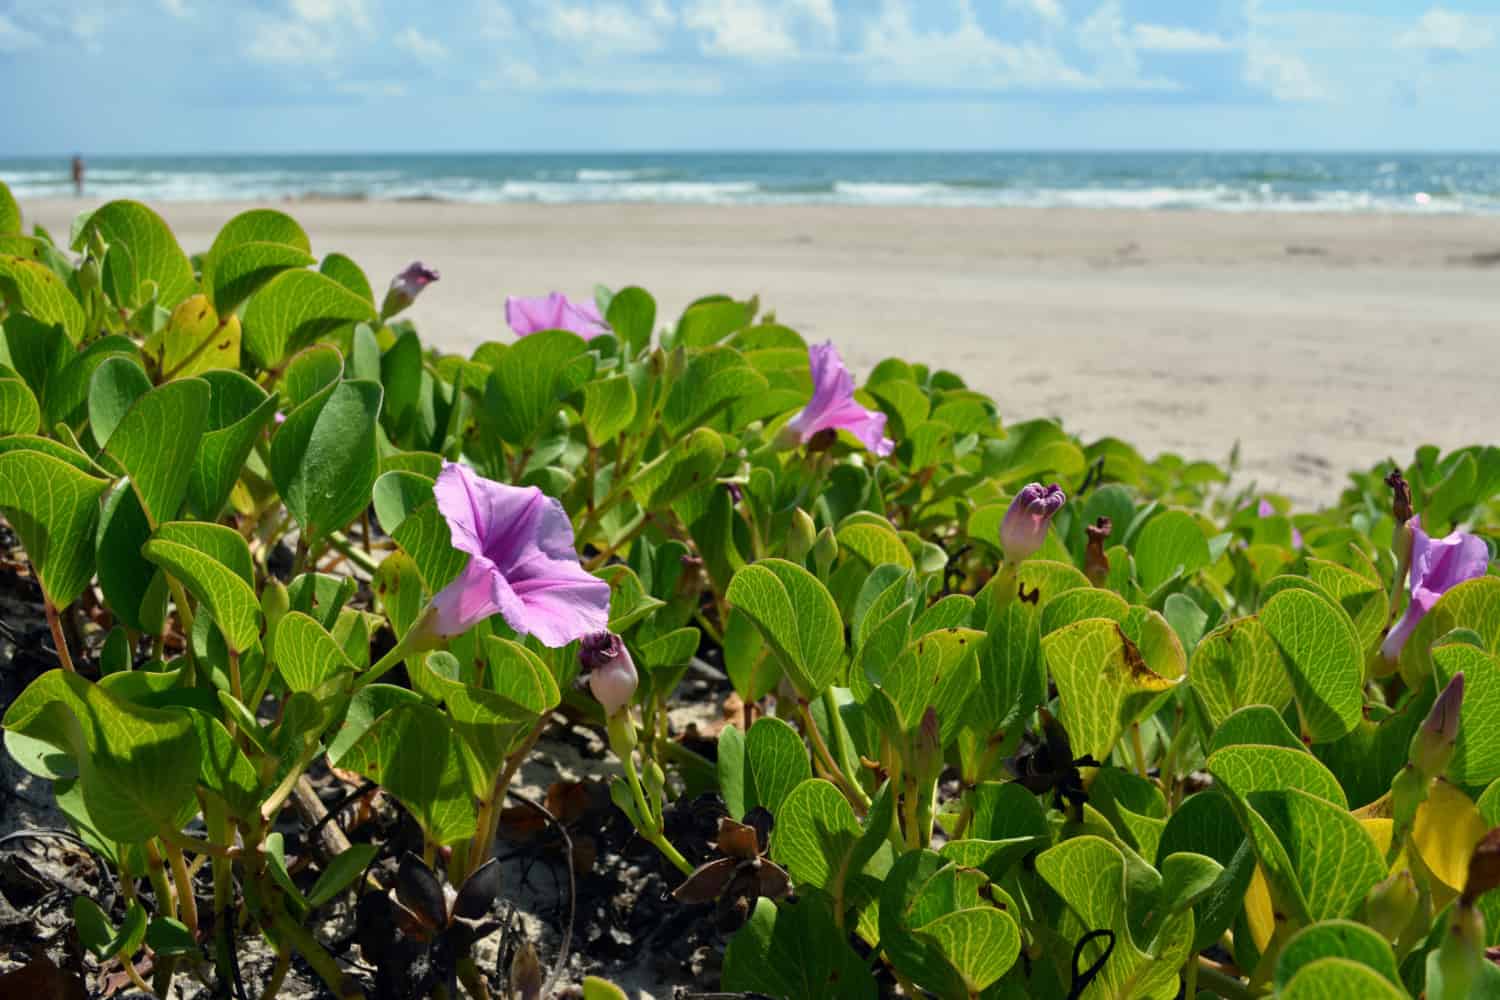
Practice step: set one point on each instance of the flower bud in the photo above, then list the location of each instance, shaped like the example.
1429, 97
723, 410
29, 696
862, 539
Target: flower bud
802, 535
612, 676
928, 762
405, 287
89, 276
1461, 955
1025, 525
1432, 746
825, 551
1391, 904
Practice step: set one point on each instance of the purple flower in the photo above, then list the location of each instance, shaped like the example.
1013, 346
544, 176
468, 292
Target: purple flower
1436, 567
553, 312
1025, 525
832, 406
522, 563
612, 676
405, 287
1265, 509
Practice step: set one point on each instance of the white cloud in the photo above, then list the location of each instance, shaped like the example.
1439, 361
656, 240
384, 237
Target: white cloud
496, 22
606, 28
371, 88
14, 38
647, 81
1449, 31
335, 13
177, 8
1286, 77
1048, 10
757, 30
1170, 38
285, 44
419, 46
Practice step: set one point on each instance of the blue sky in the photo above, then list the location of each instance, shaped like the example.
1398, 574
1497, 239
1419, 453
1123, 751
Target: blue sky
175, 76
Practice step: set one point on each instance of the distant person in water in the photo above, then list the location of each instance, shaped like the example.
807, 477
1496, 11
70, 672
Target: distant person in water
78, 176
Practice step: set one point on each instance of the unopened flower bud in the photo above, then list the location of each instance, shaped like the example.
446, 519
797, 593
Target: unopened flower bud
1025, 526
825, 551
1461, 955
802, 535
928, 761
1391, 904
405, 287
1432, 745
612, 676
89, 275
1484, 867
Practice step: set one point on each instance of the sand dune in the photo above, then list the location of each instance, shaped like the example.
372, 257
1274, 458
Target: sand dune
1320, 342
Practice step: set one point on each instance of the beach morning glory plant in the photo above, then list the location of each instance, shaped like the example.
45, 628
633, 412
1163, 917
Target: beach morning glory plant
833, 408
522, 564
553, 312
1025, 525
1437, 566
405, 287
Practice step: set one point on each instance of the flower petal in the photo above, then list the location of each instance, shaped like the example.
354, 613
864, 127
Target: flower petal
528, 315
561, 601
485, 518
474, 595
867, 425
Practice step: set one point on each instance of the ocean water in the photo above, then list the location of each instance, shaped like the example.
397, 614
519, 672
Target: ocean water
1234, 182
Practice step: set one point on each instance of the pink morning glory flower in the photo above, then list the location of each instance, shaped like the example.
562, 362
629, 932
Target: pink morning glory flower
832, 407
1025, 526
1437, 566
522, 564
405, 287
553, 312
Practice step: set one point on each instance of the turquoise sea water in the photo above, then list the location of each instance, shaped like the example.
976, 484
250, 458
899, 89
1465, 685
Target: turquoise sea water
1336, 182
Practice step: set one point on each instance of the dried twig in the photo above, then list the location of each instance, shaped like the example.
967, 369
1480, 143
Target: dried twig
567, 937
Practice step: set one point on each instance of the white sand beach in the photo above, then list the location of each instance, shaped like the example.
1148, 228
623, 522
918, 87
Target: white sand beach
1322, 343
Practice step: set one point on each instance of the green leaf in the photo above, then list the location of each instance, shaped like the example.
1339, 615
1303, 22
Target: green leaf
223, 768
141, 249
1318, 859
1237, 665
1170, 545
238, 411
240, 271
295, 309
323, 458
945, 927
794, 951
116, 384
1031, 449
1103, 683
54, 508
1205, 823
401, 374
1322, 655
348, 274
1254, 724
1089, 873
595, 988
778, 761
705, 323
195, 340
340, 873
632, 315
875, 544
424, 535
798, 619
1363, 599
526, 386
690, 464
101, 937
166, 936
938, 670
412, 753
213, 563
1473, 604
1339, 979
1008, 824
608, 408
68, 390
1086, 602
368, 705
139, 765
310, 371
131, 584
307, 657
10, 212
19, 412
159, 463
1246, 769
820, 843
34, 287
1336, 939
714, 379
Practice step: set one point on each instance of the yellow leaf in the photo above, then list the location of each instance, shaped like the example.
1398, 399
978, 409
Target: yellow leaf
1447, 829
1259, 913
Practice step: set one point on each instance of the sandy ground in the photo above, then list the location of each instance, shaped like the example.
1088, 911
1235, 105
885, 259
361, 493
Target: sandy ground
1322, 343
